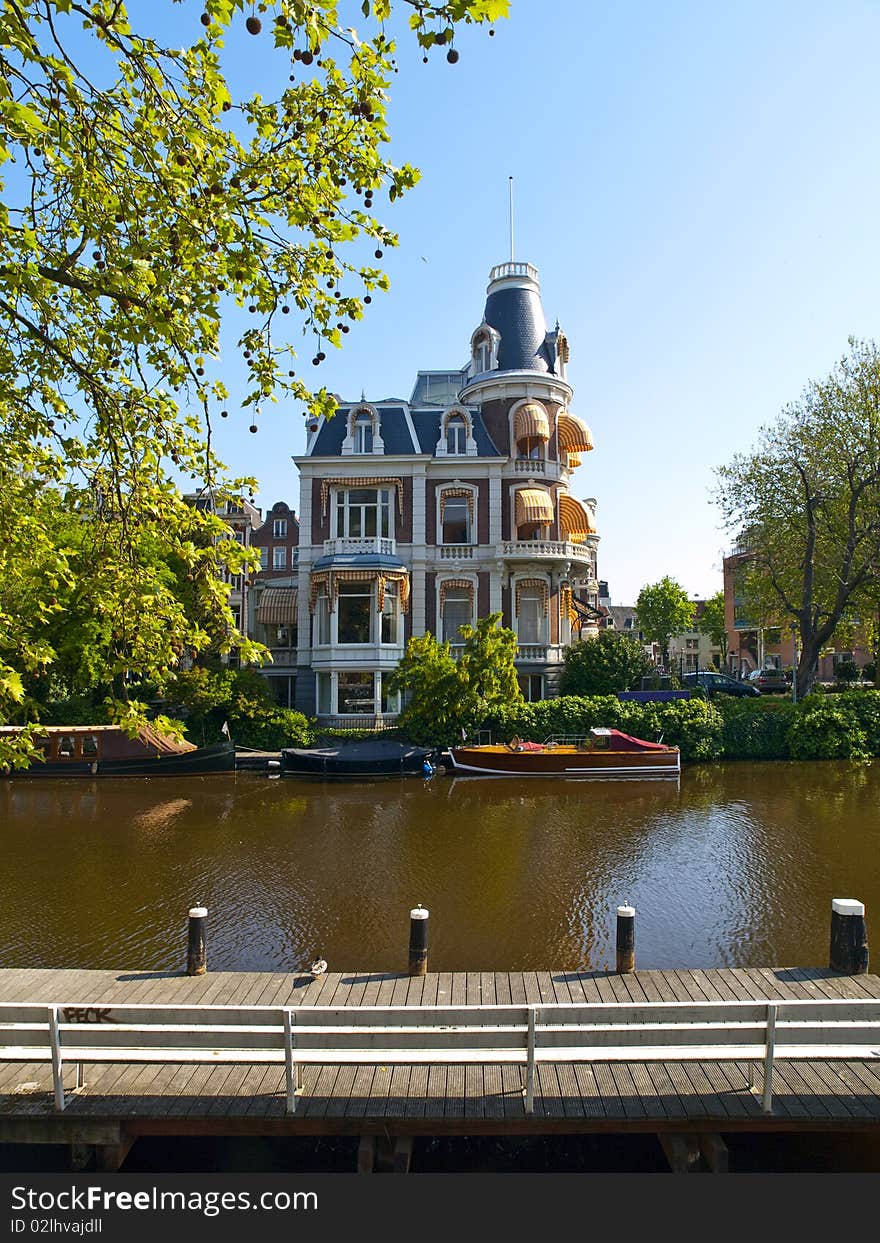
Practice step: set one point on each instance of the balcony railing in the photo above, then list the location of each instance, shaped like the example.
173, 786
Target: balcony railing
545, 550
513, 269
456, 552
529, 465
360, 544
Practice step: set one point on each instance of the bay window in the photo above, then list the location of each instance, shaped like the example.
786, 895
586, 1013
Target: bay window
363, 512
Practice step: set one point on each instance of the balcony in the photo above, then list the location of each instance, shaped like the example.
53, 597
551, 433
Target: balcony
539, 653
545, 550
361, 544
529, 466
456, 552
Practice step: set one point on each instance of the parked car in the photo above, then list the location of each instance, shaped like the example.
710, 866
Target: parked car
769, 681
714, 683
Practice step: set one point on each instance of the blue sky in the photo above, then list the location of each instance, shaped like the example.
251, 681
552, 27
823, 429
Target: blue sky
698, 187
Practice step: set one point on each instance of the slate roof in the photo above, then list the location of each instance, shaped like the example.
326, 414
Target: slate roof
359, 561
518, 316
396, 434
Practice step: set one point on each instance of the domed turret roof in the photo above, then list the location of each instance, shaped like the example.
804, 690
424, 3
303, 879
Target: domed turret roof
514, 310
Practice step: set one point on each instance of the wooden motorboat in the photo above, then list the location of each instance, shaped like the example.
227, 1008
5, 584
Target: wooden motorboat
602, 753
107, 751
383, 757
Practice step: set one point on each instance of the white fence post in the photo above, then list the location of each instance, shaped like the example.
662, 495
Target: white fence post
531, 1017
767, 1097
291, 1071
55, 1043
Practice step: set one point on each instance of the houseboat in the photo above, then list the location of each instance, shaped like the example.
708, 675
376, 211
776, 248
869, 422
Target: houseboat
383, 757
108, 751
602, 753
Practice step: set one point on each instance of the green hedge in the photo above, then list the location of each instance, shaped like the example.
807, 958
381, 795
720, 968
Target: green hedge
844, 726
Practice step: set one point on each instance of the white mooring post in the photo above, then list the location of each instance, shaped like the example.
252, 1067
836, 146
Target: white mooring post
849, 937
57, 1065
626, 940
767, 1094
196, 952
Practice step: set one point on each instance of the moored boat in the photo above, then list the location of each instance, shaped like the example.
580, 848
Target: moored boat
108, 751
602, 753
382, 757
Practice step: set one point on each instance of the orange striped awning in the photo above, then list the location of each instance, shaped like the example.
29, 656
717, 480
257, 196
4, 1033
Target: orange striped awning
533, 505
574, 435
531, 422
448, 493
277, 607
371, 481
329, 580
575, 521
456, 584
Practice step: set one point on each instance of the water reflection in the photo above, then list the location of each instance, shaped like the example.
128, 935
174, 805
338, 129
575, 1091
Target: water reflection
735, 865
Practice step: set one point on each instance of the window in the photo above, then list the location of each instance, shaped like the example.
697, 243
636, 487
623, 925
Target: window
389, 702
532, 687
456, 435
279, 528
482, 355
456, 520
390, 614
66, 747
530, 619
264, 558
354, 608
322, 619
363, 434
279, 558
363, 512
235, 582
324, 694
355, 695
457, 612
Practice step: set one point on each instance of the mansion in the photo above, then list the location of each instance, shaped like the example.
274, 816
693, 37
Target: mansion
429, 514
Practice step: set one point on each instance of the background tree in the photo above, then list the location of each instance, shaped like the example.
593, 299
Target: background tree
445, 695
711, 623
664, 610
611, 662
806, 504
143, 202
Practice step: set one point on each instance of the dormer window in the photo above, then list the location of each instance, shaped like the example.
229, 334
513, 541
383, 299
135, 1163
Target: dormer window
456, 435
484, 349
363, 434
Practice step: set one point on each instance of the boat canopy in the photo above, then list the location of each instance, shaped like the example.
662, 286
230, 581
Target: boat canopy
618, 741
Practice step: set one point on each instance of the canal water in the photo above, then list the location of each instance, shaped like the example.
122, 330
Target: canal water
735, 865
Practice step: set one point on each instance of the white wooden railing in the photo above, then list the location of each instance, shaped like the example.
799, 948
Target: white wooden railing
525, 1035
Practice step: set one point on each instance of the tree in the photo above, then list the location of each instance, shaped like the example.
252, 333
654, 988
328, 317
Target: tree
145, 203
806, 505
664, 610
711, 623
611, 662
447, 696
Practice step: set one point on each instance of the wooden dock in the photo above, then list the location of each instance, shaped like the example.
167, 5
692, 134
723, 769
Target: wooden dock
119, 1103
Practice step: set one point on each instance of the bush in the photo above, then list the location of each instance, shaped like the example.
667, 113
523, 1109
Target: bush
869, 671
842, 726
613, 661
695, 725
847, 672
756, 731
241, 698
828, 729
